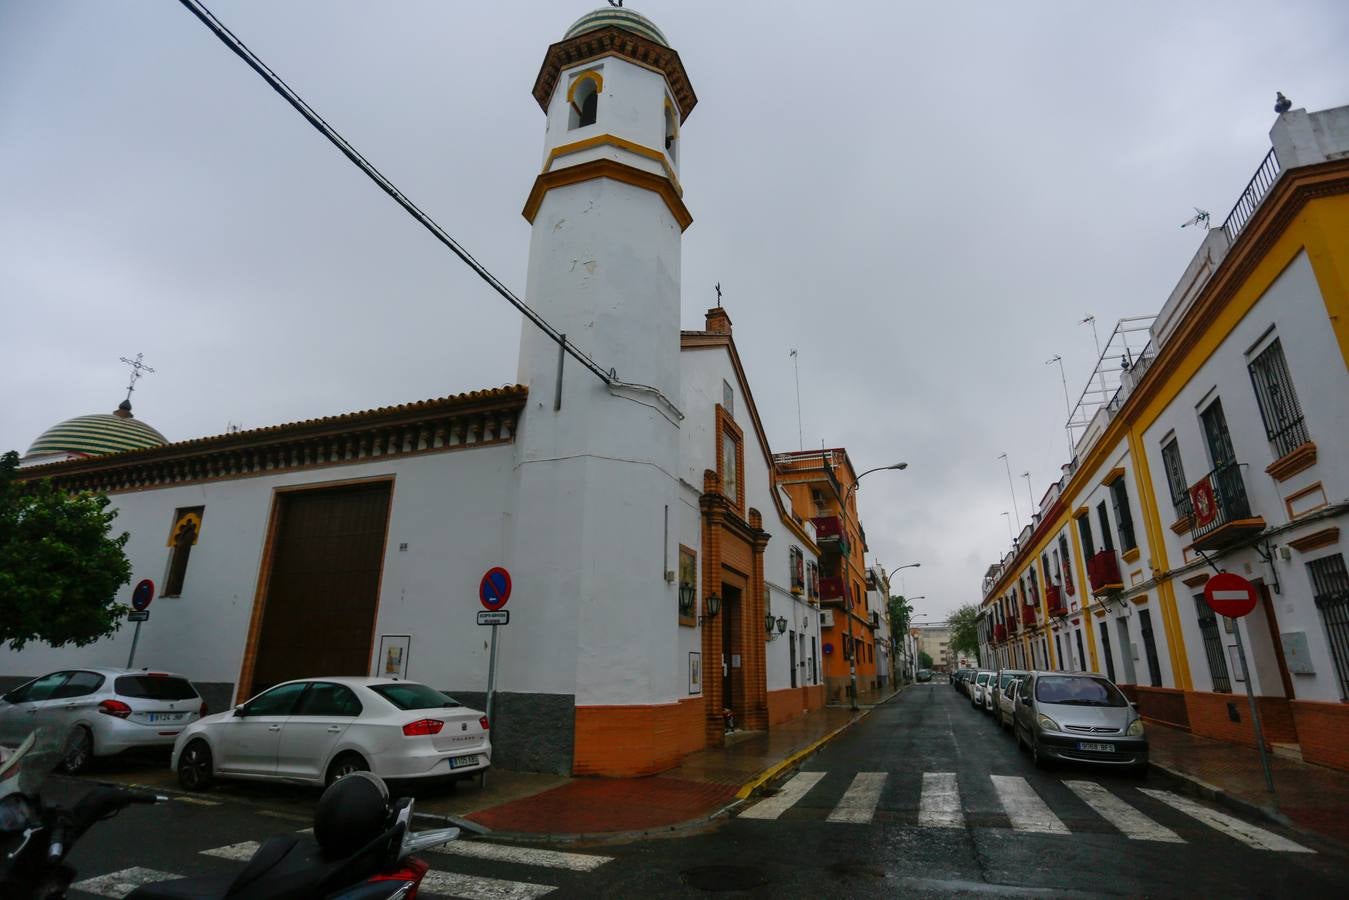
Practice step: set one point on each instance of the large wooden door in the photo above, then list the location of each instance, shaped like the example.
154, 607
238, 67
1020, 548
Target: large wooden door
318, 616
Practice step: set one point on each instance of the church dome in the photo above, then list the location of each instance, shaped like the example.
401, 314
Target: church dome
617, 17
98, 434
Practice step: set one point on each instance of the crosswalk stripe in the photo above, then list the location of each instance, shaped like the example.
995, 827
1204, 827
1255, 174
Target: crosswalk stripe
480, 888
1128, 820
939, 806
860, 800
783, 800
1024, 807
577, 862
242, 851
119, 884
1245, 832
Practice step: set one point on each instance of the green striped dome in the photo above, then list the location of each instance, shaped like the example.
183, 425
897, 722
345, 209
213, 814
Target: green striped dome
617, 17
97, 434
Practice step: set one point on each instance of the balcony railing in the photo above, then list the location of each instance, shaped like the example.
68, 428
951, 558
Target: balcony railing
833, 587
829, 534
1027, 615
1221, 510
1246, 205
999, 632
1054, 599
1103, 572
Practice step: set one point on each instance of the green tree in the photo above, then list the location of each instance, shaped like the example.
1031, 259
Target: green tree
901, 611
60, 566
924, 660
964, 625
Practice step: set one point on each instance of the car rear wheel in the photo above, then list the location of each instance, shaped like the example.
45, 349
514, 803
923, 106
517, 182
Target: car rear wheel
196, 770
79, 751
344, 765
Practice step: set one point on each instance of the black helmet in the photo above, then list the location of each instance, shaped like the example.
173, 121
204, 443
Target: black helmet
351, 813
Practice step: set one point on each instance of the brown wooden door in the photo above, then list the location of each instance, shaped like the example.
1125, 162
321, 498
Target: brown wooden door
323, 592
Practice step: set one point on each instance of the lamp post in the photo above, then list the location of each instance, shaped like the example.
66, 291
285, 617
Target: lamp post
852, 642
886, 576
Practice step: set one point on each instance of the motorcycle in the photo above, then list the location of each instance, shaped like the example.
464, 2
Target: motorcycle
362, 847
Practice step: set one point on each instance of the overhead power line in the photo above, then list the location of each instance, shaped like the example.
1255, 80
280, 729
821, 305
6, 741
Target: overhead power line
229, 39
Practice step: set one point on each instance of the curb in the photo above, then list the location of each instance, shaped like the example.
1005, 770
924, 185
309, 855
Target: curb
768, 774
1197, 787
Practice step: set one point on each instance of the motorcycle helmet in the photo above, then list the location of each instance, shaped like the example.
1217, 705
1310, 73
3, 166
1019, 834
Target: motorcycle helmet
352, 812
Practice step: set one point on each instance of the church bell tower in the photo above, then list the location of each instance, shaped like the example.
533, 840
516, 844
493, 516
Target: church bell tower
597, 463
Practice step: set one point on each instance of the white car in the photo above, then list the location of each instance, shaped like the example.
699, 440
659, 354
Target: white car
978, 685
103, 712
316, 730
1007, 701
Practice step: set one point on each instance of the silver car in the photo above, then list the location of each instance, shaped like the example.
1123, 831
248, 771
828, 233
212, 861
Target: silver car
104, 711
316, 730
1080, 717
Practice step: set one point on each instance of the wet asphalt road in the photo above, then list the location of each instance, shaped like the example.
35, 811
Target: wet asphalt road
801, 853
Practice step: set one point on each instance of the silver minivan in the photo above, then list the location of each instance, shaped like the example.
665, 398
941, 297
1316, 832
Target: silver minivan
1078, 716
103, 711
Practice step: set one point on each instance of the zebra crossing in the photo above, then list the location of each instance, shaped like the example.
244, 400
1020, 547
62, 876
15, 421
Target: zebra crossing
440, 881
941, 805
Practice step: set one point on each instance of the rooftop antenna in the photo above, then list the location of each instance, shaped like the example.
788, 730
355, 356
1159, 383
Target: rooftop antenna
138, 370
1003, 456
1066, 403
800, 440
1200, 218
1091, 320
1029, 493
718, 287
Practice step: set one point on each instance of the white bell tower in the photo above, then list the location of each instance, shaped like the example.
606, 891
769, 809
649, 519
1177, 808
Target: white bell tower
597, 483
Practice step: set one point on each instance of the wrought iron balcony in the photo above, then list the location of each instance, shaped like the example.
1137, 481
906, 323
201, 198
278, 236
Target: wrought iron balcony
1028, 615
833, 587
1054, 598
999, 633
1221, 510
829, 534
1103, 572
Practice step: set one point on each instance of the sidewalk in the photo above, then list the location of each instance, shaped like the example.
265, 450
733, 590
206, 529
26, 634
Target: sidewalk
1307, 797
706, 782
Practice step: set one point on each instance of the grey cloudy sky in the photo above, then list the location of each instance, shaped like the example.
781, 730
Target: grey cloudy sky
925, 199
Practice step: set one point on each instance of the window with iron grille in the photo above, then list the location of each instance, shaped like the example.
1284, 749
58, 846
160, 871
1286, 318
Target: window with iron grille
1278, 401
1213, 645
1150, 646
1330, 588
1105, 527
1175, 477
1105, 647
1124, 519
1084, 529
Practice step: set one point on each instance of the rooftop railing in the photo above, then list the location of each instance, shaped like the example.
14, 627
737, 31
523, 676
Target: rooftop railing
1260, 183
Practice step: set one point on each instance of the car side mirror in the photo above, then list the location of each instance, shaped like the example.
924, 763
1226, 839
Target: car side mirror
239, 711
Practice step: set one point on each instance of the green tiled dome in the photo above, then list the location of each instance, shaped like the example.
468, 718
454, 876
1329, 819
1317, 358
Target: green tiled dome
98, 434
617, 17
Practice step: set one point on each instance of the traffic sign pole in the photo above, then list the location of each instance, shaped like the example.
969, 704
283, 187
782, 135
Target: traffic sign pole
1255, 710
135, 639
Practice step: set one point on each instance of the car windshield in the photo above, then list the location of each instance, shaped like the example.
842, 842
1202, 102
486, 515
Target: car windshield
406, 695
1006, 680
982, 678
154, 687
1078, 690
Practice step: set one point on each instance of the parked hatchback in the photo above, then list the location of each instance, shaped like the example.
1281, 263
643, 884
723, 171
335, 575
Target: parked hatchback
997, 688
317, 730
978, 685
103, 711
1078, 717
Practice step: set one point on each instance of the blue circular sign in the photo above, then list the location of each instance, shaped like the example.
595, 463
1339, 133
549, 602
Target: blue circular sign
495, 588
827, 648
142, 595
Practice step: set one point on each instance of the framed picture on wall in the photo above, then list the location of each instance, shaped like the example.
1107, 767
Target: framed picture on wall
392, 661
695, 672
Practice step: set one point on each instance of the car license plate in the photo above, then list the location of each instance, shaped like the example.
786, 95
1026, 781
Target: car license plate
460, 762
165, 717
1099, 748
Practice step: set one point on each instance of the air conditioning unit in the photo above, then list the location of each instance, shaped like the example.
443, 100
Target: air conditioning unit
827, 618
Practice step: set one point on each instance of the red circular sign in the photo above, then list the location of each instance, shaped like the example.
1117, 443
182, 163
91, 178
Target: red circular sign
495, 588
1230, 595
143, 595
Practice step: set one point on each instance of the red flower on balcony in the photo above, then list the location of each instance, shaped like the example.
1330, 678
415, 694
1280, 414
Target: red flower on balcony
1054, 598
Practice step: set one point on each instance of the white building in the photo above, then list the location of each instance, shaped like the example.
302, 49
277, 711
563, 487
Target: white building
658, 588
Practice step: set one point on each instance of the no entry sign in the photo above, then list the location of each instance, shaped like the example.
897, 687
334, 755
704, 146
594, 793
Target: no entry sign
142, 595
495, 588
1230, 595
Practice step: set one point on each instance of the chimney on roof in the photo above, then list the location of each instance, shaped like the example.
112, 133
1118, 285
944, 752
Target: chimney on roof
717, 321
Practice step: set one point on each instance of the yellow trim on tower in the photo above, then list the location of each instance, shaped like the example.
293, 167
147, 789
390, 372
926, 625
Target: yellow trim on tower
587, 75
601, 140
616, 171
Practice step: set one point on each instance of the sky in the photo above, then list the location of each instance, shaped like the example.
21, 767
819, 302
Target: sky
924, 200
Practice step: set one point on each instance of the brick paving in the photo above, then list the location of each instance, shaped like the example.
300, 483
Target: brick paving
1310, 796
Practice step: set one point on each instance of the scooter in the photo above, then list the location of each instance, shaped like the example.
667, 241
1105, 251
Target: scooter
362, 847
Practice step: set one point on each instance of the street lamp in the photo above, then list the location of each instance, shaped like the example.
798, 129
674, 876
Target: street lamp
843, 503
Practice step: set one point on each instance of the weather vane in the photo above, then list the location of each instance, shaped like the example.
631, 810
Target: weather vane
138, 369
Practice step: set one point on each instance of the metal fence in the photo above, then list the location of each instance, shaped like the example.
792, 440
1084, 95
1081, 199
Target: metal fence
1229, 492
1260, 183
